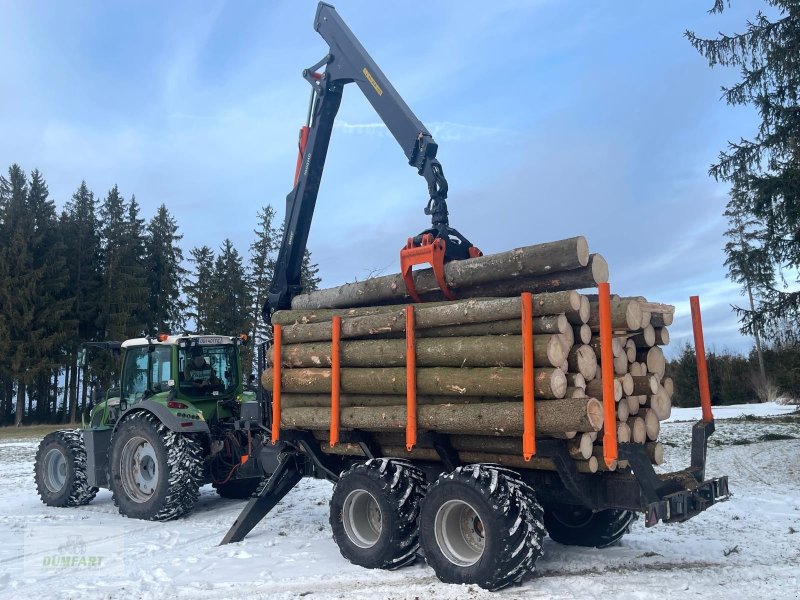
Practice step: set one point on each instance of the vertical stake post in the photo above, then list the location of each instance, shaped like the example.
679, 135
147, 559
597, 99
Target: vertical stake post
336, 385
411, 381
700, 357
277, 333
528, 408
607, 372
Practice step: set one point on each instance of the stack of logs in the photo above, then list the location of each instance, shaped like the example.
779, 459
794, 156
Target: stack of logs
469, 359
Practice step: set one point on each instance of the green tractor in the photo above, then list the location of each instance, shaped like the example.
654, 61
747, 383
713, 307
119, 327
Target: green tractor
179, 419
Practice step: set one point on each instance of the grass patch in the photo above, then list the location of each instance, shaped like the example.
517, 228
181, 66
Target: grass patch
741, 442
775, 437
30, 431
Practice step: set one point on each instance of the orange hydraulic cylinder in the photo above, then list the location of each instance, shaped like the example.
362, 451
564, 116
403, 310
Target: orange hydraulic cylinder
276, 382
301, 150
607, 372
336, 385
528, 408
411, 381
700, 357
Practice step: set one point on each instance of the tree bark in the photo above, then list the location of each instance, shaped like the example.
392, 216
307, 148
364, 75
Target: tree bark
662, 336
626, 315
483, 351
646, 338
496, 381
644, 385
540, 259
505, 419
594, 389
583, 360
21, 389
654, 359
324, 400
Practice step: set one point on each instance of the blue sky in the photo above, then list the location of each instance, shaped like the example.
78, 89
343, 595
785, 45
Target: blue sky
553, 119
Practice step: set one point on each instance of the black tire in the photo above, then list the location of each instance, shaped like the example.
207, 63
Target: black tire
578, 526
170, 468
481, 524
60, 469
374, 513
238, 488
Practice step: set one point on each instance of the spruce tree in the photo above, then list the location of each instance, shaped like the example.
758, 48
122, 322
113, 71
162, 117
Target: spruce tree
230, 296
262, 268
308, 273
198, 289
165, 273
764, 171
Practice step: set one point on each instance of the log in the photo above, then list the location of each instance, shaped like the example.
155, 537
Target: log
661, 335
574, 279
467, 457
622, 411
597, 452
660, 403
567, 341
621, 364
630, 351
646, 338
495, 381
654, 358
540, 259
581, 315
668, 385
439, 314
623, 433
574, 414
662, 318
633, 405
652, 424
483, 351
646, 385
655, 452
646, 315
616, 346
627, 383
576, 380
594, 389
582, 359
582, 333
626, 315
324, 400
549, 324
580, 448
638, 430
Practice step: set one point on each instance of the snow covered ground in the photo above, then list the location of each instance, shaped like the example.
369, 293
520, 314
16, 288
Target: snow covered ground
748, 547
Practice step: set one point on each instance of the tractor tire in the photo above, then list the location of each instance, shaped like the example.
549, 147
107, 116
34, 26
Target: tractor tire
481, 524
155, 473
60, 469
238, 489
374, 513
578, 526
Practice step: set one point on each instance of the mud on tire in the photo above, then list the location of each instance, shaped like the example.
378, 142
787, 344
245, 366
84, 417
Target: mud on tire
60, 469
162, 481
578, 526
481, 524
374, 513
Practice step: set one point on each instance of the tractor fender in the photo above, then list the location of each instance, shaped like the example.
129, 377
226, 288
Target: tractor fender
163, 414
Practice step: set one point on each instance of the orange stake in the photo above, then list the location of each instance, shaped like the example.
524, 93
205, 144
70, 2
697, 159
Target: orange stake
276, 383
336, 386
411, 381
700, 357
607, 372
528, 408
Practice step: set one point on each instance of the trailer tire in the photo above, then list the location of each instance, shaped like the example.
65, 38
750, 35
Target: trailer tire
60, 469
578, 526
155, 473
238, 489
481, 524
374, 513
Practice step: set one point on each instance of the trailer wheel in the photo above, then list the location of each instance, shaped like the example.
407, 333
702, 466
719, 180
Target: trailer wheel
60, 469
238, 489
481, 524
155, 472
579, 526
374, 513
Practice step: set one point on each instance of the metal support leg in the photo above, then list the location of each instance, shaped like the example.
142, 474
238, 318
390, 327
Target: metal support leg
701, 431
285, 477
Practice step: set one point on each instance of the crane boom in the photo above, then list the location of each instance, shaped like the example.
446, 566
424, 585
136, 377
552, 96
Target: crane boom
348, 62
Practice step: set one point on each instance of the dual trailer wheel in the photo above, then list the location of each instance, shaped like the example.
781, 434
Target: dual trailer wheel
478, 524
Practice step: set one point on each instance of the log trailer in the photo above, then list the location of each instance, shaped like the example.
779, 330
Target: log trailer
476, 523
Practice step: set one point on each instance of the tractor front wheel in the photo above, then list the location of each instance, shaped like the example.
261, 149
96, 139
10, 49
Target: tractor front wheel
155, 473
60, 469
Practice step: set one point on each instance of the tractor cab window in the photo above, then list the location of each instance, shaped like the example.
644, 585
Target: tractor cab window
207, 370
145, 373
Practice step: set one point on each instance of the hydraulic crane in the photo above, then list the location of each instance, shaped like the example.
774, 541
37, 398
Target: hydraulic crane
348, 62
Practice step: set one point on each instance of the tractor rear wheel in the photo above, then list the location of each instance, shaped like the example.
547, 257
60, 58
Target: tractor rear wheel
374, 513
155, 473
60, 469
578, 526
481, 524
